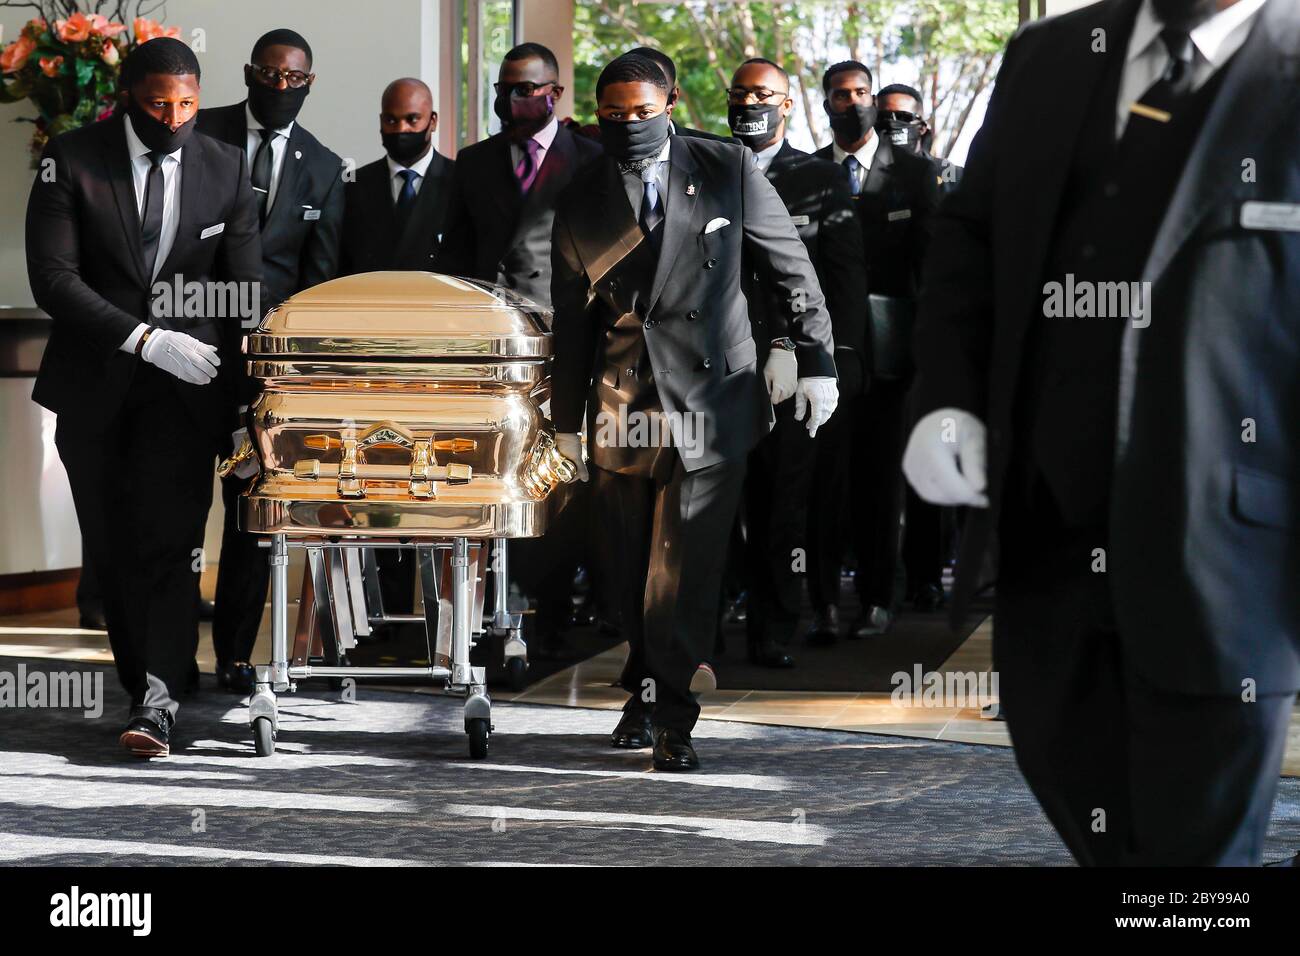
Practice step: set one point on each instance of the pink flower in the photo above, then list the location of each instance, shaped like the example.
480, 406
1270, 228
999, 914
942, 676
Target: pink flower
75, 29
50, 65
15, 54
99, 24
110, 54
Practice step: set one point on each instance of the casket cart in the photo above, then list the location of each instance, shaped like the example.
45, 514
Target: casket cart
398, 410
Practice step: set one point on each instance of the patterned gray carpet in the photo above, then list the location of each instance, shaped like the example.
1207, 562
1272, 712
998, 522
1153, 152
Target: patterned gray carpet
387, 780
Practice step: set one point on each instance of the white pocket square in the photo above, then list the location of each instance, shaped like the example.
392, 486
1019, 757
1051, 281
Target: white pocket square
716, 224
213, 230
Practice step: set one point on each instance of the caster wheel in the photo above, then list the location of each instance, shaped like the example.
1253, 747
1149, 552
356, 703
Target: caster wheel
263, 736
517, 673
479, 730
336, 683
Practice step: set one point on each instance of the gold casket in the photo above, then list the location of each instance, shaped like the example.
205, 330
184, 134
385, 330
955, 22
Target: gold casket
402, 404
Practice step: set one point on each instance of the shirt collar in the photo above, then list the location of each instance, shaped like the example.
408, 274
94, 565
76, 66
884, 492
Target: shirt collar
865, 155
254, 124
136, 148
764, 157
546, 135
421, 165
1209, 37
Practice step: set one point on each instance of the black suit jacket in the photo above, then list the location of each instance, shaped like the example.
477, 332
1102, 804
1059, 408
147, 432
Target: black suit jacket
816, 193
87, 271
696, 325
300, 240
1204, 552
372, 241
493, 232
894, 208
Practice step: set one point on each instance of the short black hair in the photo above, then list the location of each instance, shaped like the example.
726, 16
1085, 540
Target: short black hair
844, 66
526, 51
159, 55
901, 89
281, 37
766, 62
663, 59
633, 68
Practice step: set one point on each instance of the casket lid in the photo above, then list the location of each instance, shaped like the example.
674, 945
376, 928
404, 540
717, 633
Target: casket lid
405, 315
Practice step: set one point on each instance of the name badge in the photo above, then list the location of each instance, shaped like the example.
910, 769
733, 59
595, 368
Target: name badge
216, 230
1280, 216
800, 220
898, 214
311, 214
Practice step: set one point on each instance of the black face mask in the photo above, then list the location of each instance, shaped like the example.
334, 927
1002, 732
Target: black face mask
275, 109
854, 123
154, 133
639, 139
1183, 13
521, 116
405, 148
901, 135
755, 123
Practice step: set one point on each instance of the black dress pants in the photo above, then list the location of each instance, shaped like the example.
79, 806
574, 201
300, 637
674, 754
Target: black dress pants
142, 486
877, 490
672, 536
243, 577
776, 518
1128, 774
828, 527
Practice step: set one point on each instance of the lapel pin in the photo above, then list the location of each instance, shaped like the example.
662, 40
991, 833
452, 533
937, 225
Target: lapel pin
297, 154
690, 189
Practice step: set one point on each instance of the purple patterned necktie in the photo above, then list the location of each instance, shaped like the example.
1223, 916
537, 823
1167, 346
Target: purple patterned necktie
526, 171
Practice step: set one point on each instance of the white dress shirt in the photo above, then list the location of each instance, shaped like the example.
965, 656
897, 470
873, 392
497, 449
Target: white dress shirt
420, 166
544, 136
764, 157
1214, 41
635, 185
279, 145
171, 170
866, 155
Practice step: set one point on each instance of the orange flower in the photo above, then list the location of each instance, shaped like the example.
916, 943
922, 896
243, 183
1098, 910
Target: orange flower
75, 29
50, 65
146, 29
15, 54
99, 24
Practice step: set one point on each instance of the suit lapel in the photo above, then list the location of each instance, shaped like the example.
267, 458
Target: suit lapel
679, 210
605, 229
882, 166
431, 196
1261, 85
118, 162
190, 220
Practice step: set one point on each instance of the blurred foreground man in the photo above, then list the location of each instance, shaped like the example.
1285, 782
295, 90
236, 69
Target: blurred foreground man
145, 393
652, 336
1128, 341
299, 188
782, 469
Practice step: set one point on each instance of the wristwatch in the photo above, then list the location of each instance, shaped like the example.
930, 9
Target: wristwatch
144, 337
785, 343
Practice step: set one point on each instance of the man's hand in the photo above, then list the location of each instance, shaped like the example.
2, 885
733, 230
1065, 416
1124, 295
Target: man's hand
945, 459
817, 395
781, 373
569, 444
181, 355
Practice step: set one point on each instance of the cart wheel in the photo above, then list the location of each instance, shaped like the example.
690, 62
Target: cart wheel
263, 736
517, 672
336, 683
479, 730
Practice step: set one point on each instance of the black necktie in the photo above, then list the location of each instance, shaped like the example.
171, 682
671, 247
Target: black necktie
151, 224
262, 173
406, 195
1155, 108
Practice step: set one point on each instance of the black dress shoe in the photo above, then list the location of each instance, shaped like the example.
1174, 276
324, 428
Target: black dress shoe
769, 654
875, 623
632, 733
673, 750
92, 619
238, 677
207, 610
928, 597
826, 625
148, 732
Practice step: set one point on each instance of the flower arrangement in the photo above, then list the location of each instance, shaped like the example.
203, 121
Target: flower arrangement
66, 61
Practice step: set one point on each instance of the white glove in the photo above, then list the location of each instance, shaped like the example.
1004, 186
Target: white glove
818, 395
181, 355
945, 459
569, 444
248, 467
780, 372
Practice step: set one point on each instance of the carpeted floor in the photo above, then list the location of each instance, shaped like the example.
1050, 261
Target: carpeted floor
387, 780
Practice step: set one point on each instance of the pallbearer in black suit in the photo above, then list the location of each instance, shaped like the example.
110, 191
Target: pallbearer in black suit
299, 189
901, 122
894, 192
782, 471
653, 338
1141, 464
504, 188
396, 209
138, 213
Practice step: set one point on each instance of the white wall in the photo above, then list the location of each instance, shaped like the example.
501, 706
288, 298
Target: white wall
358, 46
